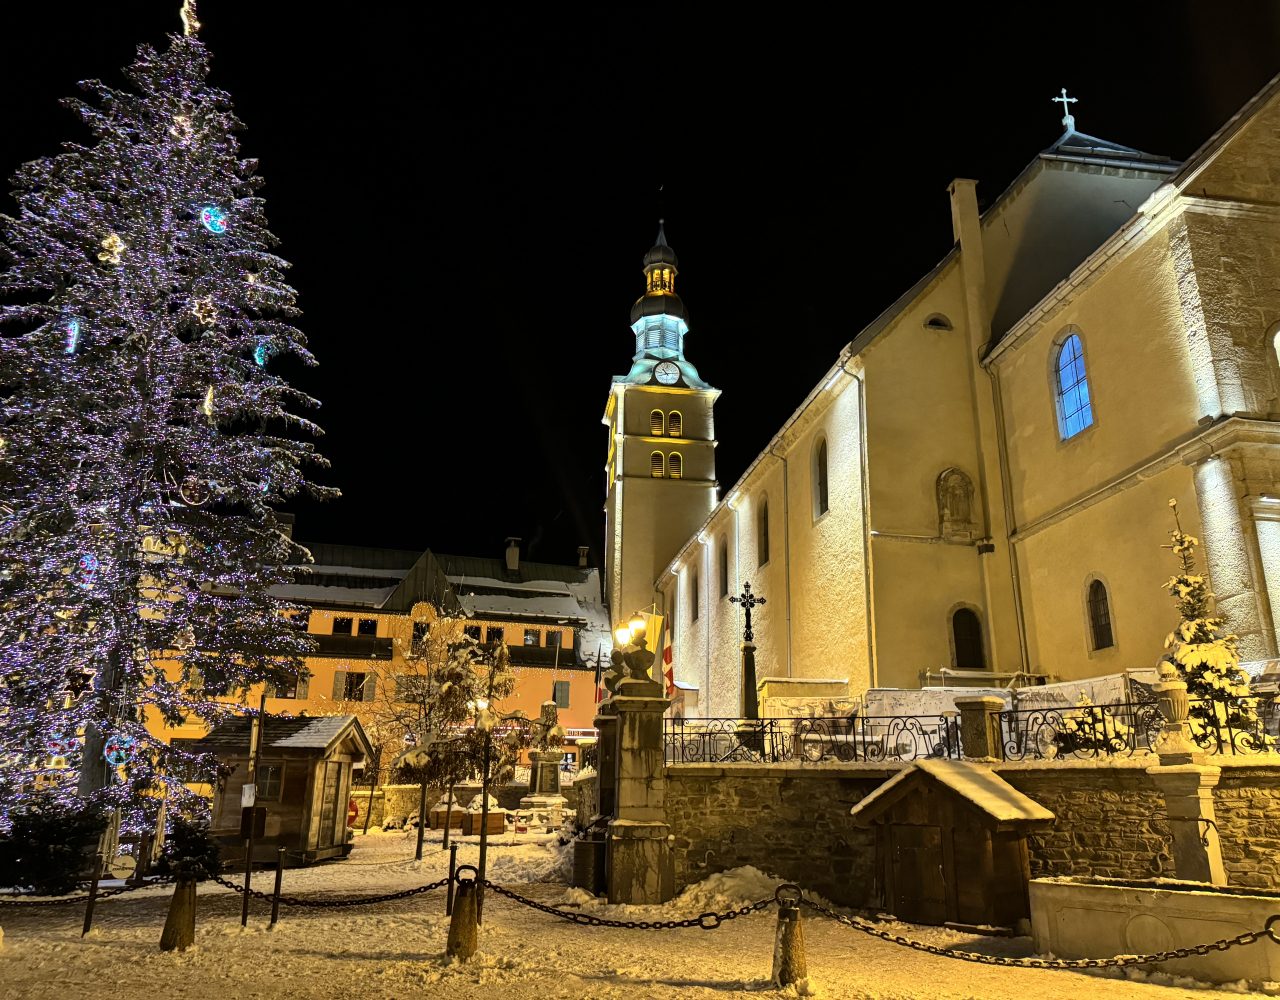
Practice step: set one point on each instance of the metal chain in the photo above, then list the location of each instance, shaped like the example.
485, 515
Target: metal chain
1046, 963
334, 903
104, 894
707, 921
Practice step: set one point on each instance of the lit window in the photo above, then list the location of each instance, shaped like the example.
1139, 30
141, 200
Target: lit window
1100, 616
675, 424
532, 637
1075, 411
821, 503
762, 534
656, 423
657, 465
675, 465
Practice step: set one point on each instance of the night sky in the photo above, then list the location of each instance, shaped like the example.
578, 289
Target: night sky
466, 200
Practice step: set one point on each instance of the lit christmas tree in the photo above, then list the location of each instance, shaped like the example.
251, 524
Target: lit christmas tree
145, 437
1222, 713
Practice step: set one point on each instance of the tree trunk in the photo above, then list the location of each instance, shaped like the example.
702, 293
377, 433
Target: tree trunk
180, 926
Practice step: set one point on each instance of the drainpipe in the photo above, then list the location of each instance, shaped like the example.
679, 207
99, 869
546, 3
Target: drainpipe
864, 464
1006, 497
786, 546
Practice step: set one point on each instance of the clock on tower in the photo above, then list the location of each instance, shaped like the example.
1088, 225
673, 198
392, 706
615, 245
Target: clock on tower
667, 373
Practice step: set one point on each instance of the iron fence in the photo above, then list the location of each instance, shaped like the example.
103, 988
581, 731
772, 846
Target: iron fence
811, 740
1125, 728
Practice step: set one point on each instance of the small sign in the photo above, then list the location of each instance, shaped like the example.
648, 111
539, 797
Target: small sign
253, 822
248, 795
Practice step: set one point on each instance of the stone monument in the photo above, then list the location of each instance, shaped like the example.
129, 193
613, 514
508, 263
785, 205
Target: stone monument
544, 803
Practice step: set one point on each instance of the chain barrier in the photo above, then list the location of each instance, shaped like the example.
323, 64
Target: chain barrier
1248, 937
707, 921
104, 894
333, 903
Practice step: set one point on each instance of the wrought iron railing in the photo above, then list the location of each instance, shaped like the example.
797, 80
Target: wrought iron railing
1125, 728
811, 740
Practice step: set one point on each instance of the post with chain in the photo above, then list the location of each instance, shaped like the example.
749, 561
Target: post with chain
463, 932
93, 896
453, 871
275, 896
789, 963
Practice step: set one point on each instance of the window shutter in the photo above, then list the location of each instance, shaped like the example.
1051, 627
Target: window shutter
675, 464
304, 682
339, 684
675, 424
370, 687
269, 689
655, 423
657, 467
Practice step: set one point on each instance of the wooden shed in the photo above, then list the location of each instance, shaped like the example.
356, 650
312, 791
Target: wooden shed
303, 781
951, 844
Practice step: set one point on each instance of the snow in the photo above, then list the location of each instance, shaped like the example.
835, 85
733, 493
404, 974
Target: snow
394, 950
979, 785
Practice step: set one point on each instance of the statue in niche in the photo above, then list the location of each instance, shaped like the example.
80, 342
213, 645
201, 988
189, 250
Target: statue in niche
955, 505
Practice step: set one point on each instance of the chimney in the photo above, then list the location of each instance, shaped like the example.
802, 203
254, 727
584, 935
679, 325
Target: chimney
513, 555
583, 552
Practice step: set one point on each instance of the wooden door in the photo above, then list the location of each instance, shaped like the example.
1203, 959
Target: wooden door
917, 884
329, 806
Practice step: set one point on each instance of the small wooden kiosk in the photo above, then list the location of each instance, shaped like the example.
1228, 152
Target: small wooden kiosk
951, 844
303, 780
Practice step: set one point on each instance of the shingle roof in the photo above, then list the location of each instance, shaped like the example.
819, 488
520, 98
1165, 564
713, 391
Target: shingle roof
299, 733
981, 786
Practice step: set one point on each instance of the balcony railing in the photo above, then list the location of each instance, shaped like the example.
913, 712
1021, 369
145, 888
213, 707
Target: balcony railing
357, 647
868, 739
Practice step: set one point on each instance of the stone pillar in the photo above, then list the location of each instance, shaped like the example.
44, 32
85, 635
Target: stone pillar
1188, 798
750, 700
980, 735
607, 757
640, 865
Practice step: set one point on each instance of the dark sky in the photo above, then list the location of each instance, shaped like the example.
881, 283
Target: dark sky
466, 199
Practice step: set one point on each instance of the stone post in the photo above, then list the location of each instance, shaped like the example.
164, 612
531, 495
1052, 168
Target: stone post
1188, 799
640, 865
980, 736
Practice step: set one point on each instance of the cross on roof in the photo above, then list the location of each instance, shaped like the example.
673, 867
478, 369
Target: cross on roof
1068, 119
748, 601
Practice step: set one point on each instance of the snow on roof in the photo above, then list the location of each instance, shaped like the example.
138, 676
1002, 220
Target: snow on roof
373, 597
301, 732
981, 786
541, 606
531, 586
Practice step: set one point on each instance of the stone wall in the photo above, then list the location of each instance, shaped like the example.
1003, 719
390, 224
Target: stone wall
793, 821
789, 820
402, 800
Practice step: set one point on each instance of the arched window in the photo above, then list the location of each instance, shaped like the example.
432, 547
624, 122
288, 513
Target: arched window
966, 632
675, 465
656, 423
821, 503
724, 568
657, 465
675, 424
762, 533
1100, 616
1075, 411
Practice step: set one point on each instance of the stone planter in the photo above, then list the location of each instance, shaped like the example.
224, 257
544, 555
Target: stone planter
1099, 918
497, 823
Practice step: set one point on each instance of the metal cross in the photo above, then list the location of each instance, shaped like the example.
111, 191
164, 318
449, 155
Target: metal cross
1068, 119
748, 601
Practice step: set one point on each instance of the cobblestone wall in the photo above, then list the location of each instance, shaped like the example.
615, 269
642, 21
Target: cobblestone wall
794, 821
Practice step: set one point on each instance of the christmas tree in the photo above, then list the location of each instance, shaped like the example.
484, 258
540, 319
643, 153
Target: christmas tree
1222, 714
145, 437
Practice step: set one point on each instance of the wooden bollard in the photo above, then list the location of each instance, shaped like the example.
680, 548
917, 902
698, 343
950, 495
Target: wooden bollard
180, 925
275, 896
463, 931
789, 963
93, 896
453, 873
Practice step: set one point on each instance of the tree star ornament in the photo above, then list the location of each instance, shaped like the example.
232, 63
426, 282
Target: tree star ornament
205, 311
113, 248
188, 14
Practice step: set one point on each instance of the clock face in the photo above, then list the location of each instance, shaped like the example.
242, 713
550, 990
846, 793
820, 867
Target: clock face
667, 372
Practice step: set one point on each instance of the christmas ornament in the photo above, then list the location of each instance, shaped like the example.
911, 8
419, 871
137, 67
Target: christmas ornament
194, 492
78, 682
113, 248
60, 744
207, 408
261, 354
86, 570
119, 749
181, 128
205, 311
73, 336
213, 219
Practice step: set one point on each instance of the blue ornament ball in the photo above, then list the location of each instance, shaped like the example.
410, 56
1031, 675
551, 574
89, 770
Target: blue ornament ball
213, 219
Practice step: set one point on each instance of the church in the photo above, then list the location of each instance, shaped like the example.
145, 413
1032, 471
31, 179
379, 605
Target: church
977, 491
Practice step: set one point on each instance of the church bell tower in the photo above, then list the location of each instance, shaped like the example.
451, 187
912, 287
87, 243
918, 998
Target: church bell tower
660, 477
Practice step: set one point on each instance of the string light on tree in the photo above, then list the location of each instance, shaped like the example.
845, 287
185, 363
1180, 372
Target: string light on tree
188, 14
86, 571
205, 311
73, 336
181, 128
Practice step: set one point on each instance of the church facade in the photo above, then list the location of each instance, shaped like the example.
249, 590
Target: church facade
977, 490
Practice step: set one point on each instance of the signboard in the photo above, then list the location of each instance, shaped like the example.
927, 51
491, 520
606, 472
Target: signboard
248, 795
253, 822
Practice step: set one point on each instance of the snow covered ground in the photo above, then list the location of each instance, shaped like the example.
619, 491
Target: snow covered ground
395, 949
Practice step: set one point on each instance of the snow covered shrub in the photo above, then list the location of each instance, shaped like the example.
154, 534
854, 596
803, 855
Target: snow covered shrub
50, 845
1223, 715
1092, 730
190, 852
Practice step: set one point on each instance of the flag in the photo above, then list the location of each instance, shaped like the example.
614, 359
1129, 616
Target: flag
668, 664
599, 678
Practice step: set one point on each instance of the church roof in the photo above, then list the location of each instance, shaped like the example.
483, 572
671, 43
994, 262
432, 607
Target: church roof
1078, 147
661, 252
